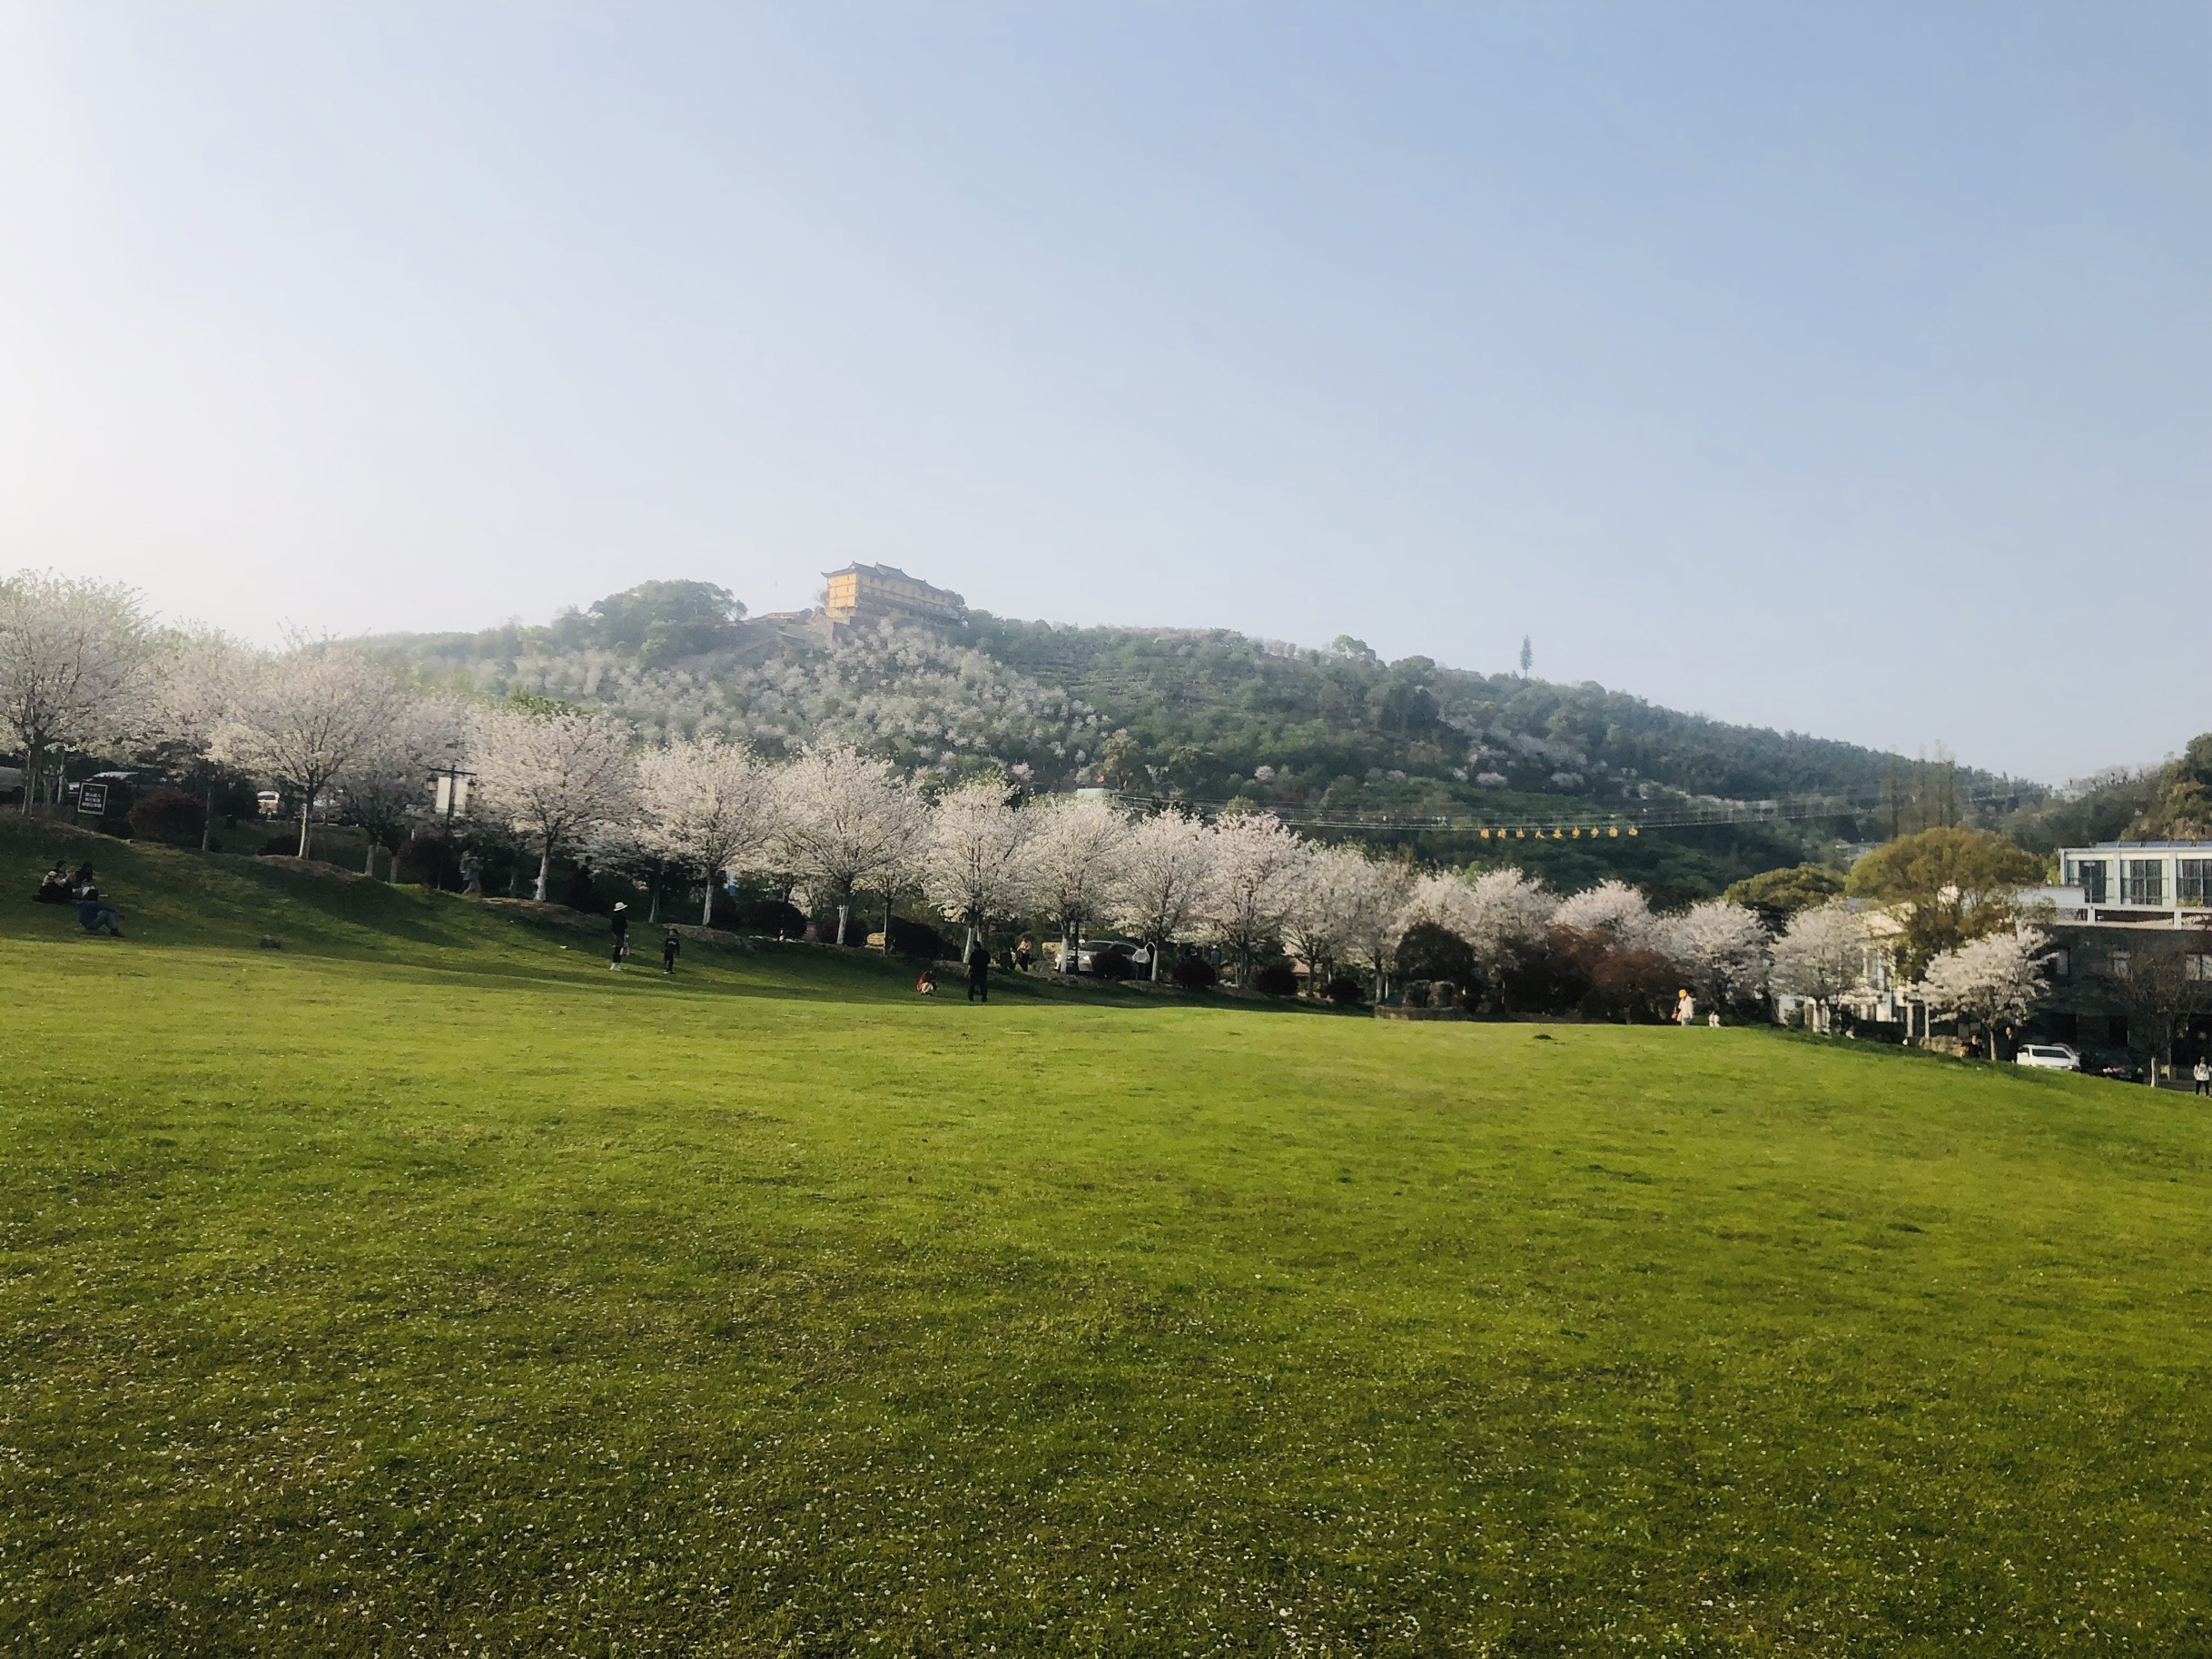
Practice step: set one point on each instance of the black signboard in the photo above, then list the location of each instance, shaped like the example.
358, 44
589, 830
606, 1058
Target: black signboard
91, 799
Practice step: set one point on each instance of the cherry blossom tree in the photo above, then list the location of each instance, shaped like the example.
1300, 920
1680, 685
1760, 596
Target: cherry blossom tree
1510, 909
1989, 982
1076, 860
76, 670
1722, 947
555, 776
1256, 862
203, 672
709, 805
1820, 956
1377, 921
1614, 913
974, 869
306, 718
1321, 921
846, 822
1495, 913
387, 790
1167, 888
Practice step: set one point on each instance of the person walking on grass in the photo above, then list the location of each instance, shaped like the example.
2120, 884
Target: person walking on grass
979, 973
622, 935
670, 948
2203, 1074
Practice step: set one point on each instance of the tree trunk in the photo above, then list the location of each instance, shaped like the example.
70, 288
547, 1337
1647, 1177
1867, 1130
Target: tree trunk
1158, 949
841, 909
368, 863
545, 873
33, 752
886, 922
707, 907
307, 821
660, 871
207, 821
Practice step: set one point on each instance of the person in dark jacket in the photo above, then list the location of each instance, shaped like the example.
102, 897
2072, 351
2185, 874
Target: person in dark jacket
94, 915
54, 886
979, 974
670, 948
622, 934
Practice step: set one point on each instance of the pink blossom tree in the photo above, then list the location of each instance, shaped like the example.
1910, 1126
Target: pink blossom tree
307, 718
1076, 860
974, 869
555, 776
709, 805
1167, 887
846, 822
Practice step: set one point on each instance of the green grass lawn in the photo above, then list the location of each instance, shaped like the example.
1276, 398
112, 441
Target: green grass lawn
424, 1287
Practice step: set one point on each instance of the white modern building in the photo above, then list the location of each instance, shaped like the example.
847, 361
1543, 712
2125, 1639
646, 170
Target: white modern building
2166, 882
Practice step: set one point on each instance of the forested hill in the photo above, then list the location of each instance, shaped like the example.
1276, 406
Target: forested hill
1207, 714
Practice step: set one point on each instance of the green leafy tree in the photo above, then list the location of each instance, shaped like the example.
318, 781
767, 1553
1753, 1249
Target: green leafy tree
661, 621
1778, 894
1121, 764
1946, 886
2181, 810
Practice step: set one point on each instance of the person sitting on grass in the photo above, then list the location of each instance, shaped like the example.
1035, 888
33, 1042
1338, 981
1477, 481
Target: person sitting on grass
927, 983
54, 886
94, 915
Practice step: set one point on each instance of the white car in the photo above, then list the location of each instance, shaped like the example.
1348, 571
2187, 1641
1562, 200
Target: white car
2050, 1056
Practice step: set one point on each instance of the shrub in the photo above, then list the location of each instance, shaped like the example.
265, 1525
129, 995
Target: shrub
1416, 994
1195, 973
1443, 993
1276, 979
1551, 974
1635, 987
918, 940
776, 919
1345, 992
426, 861
281, 847
1429, 951
1111, 964
168, 814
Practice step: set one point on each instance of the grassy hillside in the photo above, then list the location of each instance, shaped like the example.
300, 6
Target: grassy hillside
424, 1287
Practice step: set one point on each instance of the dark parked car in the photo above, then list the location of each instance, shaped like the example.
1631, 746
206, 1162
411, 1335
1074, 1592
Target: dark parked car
2118, 1064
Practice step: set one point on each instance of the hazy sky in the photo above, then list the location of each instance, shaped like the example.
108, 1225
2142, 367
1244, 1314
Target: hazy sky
1846, 368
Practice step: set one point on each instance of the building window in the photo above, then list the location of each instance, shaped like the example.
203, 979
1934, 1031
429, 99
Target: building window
2193, 880
2088, 874
2061, 964
2144, 879
2197, 966
2120, 963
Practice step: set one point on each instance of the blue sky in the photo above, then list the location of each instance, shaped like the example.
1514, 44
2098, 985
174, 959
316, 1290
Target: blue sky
1846, 369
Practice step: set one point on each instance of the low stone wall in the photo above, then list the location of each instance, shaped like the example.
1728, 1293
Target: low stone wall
1382, 1013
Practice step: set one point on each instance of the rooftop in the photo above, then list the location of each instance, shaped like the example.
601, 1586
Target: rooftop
2146, 846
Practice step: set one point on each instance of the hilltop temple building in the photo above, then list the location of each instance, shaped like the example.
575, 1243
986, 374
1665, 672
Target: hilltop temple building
868, 593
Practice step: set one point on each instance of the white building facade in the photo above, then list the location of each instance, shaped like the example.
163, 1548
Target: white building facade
2140, 881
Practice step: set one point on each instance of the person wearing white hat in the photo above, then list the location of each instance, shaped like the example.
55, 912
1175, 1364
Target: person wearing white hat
622, 934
